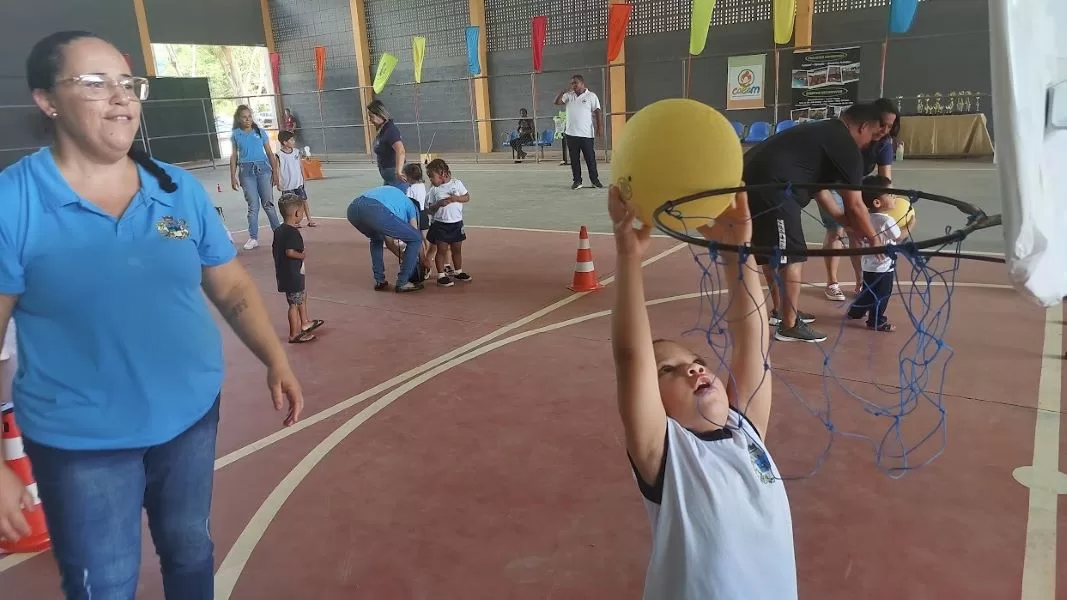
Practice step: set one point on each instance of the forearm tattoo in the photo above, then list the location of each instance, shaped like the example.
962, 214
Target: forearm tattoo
235, 311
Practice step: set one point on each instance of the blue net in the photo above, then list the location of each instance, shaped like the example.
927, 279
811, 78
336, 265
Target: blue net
883, 390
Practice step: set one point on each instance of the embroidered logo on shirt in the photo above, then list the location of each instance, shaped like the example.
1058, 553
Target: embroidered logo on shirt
175, 229
761, 462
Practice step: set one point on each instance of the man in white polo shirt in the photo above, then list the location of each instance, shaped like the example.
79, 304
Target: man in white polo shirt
583, 123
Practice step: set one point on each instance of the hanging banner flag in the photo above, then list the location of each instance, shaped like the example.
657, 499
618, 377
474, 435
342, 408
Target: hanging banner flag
784, 14
320, 67
386, 64
901, 14
539, 31
744, 81
618, 19
418, 52
473, 64
699, 25
276, 71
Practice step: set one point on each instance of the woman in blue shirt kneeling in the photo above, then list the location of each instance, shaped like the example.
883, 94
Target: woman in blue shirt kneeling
103, 256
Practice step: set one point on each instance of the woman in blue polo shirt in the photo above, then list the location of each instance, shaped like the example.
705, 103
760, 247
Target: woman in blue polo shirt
254, 168
105, 260
388, 146
386, 212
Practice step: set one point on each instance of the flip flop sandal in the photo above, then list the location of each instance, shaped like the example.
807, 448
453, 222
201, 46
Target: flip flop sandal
312, 326
312, 224
302, 338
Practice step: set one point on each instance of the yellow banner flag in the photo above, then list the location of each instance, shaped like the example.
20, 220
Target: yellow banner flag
418, 51
386, 64
784, 13
701, 22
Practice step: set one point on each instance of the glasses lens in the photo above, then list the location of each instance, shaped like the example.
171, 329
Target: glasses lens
137, 87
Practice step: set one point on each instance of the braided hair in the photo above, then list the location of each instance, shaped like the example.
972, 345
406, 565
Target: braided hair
43, 66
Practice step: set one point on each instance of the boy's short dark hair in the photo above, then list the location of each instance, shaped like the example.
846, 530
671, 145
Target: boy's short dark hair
874, 181
438, 166
289, 203
413, 171
285, 135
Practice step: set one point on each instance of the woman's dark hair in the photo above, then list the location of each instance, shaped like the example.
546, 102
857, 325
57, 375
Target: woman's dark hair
886, 106
237, 118
413, 171
43, 66
378, 109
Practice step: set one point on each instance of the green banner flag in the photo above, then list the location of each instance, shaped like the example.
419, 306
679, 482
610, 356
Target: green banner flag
701, 22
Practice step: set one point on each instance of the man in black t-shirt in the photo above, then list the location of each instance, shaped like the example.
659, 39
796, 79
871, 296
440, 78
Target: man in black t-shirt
824, 152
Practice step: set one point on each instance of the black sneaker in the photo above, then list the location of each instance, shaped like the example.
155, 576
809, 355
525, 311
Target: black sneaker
774, 318
449, 270
576, 185
463, 276
381, 286
409, 287
597, 184
445, 281
801, 333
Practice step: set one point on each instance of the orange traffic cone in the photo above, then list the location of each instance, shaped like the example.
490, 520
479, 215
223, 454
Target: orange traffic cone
15, 458
584, 271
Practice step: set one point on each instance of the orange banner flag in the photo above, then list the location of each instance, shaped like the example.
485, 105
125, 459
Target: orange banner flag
618, 19
320, 67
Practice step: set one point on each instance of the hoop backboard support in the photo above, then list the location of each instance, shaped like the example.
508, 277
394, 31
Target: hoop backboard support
1028, 58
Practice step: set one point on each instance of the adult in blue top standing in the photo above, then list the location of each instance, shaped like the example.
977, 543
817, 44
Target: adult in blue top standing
254, 168
106, 257
383, 212
388, 146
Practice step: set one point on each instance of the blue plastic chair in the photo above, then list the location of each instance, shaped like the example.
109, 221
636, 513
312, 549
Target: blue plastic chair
783, 125
739, 128
757, 132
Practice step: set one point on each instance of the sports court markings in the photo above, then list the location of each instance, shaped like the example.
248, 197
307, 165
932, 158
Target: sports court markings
237, 558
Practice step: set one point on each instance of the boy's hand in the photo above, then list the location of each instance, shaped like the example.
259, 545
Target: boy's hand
734, 225
627, 239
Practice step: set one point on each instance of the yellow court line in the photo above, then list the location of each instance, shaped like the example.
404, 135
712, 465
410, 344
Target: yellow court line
237, 557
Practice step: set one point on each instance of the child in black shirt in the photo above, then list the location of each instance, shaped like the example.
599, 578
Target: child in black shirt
289, 269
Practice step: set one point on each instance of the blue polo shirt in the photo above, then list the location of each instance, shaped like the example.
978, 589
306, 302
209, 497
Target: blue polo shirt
117, 346
396, 201
250, 145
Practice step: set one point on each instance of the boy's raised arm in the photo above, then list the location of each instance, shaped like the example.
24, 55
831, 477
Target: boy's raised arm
640, 407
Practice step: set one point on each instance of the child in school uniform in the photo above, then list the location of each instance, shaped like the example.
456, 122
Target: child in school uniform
289, 269
291, 180
417, 192
445, 201
721, 525
879, 271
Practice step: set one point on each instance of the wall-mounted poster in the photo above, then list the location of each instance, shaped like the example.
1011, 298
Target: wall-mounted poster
825, 82
744, 81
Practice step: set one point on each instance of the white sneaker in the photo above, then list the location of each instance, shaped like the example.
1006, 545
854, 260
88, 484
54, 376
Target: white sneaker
251, 244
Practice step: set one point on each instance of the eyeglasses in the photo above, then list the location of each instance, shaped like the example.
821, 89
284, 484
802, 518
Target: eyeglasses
99, 87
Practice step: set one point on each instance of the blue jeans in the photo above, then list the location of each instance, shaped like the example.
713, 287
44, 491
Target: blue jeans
375, 221
389, 177
92, 501
257, 185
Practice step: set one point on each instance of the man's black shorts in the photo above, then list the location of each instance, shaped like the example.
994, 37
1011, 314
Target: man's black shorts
777, 223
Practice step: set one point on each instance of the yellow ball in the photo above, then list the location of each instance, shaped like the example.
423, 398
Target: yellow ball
903, 214
674, 148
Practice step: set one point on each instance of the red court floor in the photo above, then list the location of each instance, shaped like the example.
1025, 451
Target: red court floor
498, 471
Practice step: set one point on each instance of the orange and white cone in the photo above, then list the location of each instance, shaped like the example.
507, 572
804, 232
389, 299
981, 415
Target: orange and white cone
584, 272
16, 460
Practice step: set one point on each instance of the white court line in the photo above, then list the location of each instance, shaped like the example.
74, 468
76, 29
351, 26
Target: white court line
237, 558
8, 562
1044, 478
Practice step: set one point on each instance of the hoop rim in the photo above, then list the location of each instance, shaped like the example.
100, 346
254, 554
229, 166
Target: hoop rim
977, 219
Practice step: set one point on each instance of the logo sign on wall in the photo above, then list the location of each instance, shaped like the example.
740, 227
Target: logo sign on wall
745, 82
825, 82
